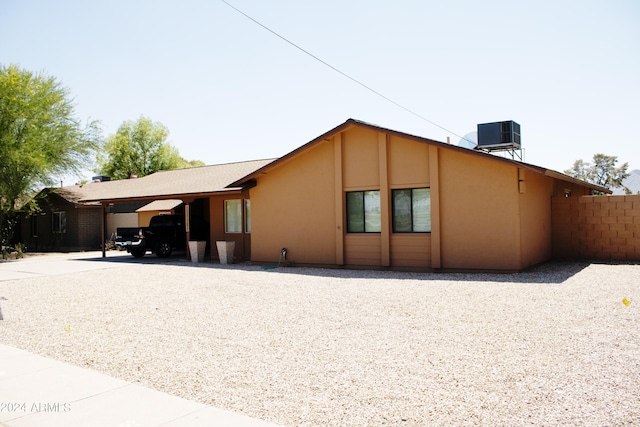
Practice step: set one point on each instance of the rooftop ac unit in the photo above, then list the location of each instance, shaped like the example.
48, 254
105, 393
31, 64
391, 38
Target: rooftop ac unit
499, 135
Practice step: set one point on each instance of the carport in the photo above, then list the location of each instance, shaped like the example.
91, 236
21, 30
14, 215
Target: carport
157, 207
190, 207
203, 192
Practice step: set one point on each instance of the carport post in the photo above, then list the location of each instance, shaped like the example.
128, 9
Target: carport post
104, 230
187, 225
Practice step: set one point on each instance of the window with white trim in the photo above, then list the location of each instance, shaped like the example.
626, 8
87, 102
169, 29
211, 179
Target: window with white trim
363, 212
233, 216
411, 210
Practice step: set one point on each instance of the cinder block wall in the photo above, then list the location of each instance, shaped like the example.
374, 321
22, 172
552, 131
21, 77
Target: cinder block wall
596, 227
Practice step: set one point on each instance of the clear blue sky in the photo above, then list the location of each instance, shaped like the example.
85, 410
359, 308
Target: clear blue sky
228, 90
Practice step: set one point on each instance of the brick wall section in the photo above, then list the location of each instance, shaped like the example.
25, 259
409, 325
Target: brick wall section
596, 227
89, 227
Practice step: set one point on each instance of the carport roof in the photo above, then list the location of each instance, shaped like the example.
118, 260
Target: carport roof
172, 184
160, 205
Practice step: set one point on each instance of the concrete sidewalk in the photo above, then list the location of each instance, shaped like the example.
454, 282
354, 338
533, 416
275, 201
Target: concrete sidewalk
37, 391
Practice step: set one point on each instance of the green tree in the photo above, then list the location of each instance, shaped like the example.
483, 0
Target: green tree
602, 171
191, 164
140, 148
40, 138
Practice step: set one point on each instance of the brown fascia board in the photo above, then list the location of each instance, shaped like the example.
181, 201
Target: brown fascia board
341, 128
353, 122
241, 182
563, 177
538, 169
182, 196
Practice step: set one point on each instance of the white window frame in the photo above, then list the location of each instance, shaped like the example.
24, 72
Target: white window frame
415, 214
370, 213
233, 216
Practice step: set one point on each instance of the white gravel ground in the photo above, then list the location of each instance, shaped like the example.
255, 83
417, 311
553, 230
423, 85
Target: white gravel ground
312, 347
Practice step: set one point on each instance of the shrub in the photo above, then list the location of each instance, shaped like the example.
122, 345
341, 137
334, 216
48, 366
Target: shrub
20, 250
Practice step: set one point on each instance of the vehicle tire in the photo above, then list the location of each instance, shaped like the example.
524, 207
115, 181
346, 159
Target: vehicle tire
138, 253
163, 250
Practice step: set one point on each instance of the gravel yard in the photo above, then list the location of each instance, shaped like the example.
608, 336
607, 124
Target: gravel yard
313, 347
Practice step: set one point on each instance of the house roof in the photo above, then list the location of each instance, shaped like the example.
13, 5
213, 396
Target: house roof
172, 184
73, 194
357, 123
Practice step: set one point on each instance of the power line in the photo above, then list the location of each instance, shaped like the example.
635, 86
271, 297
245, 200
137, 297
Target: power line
353, 79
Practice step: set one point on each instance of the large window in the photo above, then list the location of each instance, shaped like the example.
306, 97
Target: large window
59, 222
412, 210
233, 216
363, 212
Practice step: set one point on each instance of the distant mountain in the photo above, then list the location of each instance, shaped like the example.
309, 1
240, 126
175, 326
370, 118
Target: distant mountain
632, 183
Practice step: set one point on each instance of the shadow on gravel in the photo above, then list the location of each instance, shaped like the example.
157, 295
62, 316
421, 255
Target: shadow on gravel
125, 258
550, 272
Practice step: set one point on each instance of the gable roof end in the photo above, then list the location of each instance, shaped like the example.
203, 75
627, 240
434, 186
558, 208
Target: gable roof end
353, 123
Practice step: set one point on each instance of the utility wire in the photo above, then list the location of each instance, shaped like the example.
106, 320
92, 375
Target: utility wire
341, 72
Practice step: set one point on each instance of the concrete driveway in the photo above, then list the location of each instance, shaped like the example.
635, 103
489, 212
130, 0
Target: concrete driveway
39, 265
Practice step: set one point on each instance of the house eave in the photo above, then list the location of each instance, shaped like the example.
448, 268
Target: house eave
563, 177
182, 196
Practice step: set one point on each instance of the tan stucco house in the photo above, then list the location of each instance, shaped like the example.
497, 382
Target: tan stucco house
365, 196
362, 196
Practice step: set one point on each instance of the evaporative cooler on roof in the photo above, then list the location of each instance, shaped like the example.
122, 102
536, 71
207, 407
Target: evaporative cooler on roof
499, 136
